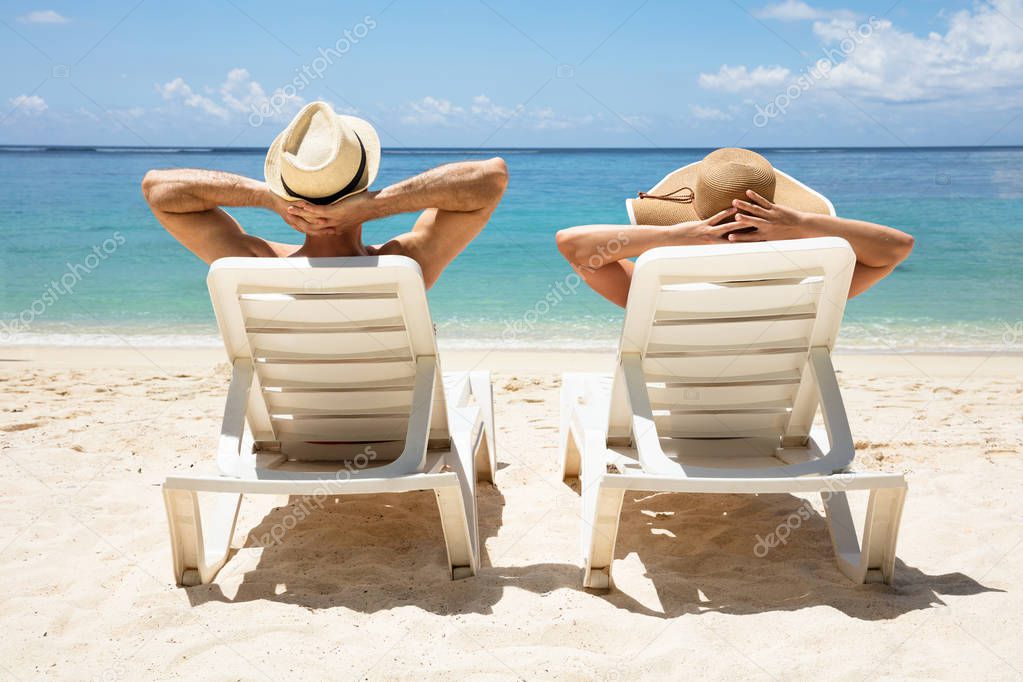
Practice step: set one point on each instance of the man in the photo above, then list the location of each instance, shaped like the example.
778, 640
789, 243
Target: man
733, 195
318, 172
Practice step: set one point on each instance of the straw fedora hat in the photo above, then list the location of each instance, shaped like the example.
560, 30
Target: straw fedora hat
701, 189
322, 157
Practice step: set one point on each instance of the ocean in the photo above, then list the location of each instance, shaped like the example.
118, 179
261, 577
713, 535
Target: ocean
85, 262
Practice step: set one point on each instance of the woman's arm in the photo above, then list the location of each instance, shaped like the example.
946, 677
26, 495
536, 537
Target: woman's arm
878, 248
599, 252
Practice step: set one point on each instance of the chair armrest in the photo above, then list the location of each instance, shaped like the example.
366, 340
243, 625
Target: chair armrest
842, 451
413, 455
232, 428
644, 429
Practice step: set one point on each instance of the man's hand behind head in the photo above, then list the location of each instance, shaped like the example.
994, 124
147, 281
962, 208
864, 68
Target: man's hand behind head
306, 224
330, 218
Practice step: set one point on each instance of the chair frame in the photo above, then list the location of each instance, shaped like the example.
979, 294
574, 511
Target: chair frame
611, 443
448, 458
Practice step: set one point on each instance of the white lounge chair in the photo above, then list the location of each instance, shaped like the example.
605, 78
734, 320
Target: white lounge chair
724, 358
335, 389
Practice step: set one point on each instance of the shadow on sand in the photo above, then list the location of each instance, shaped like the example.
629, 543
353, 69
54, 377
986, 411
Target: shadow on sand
704, 553
695, 553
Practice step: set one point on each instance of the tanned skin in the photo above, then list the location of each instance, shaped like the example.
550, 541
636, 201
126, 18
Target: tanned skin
456, 201
878, 248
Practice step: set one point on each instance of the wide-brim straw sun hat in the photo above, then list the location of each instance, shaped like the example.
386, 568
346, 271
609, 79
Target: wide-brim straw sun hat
322, 157
702, 189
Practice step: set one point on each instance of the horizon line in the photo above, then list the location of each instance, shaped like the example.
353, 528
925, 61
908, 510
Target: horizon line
204, 147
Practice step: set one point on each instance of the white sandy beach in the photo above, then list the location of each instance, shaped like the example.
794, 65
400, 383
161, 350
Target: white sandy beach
359, 588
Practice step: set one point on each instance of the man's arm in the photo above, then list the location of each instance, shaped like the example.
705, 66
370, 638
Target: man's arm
463, 187
187, 202
879, 249
456, 201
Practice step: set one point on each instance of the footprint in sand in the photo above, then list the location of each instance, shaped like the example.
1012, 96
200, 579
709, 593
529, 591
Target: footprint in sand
513, 384
24, 426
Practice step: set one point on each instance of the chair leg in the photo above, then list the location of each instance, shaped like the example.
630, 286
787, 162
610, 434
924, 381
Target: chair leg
602, 512
456, 513
602, 508
483, 391
200, 542
572, 386
484, 461
571, 457
870, 559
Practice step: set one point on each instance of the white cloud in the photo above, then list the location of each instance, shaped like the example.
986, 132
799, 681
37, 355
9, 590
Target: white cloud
790, 10
239, 90
636, 120
433, 111
981, 53
978, 59
796, 10
483, 114
27, 104
238, 97
739, 78
548, 119
709, 113
178, 90
483, 107
241, 94
43, 16
86, 113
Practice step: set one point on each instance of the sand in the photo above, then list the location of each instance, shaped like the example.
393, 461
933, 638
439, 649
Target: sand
358, 589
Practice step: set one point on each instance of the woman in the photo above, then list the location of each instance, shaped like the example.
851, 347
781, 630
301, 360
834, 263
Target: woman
733, 195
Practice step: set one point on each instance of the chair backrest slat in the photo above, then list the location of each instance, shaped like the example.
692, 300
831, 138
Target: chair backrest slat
334, 343
724, 334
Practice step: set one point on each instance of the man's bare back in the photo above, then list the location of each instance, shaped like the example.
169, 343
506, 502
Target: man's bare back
456, 201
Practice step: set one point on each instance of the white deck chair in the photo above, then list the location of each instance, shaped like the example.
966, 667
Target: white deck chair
724, 358
335, 389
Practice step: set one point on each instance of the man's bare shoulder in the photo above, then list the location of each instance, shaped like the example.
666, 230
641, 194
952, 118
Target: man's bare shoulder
251, 246
279, 250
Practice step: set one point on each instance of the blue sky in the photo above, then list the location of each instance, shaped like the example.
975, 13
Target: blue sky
524, 73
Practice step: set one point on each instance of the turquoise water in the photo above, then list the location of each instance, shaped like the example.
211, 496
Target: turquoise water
80, 211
